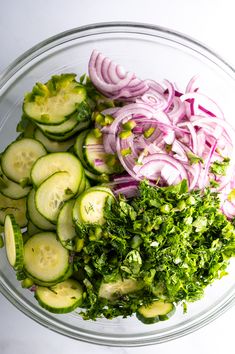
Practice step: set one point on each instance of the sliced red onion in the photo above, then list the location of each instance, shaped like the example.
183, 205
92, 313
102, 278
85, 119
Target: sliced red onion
112, 80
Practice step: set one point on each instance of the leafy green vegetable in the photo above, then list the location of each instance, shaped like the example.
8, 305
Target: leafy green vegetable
220, 167
173, 241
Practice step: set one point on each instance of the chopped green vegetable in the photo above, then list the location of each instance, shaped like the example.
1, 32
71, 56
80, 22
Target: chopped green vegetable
147, 238
220, 167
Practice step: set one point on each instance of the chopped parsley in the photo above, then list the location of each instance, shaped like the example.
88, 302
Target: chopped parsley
220, 167
172, 241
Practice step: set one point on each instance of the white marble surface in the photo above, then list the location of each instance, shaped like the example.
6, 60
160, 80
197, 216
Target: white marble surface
24, 23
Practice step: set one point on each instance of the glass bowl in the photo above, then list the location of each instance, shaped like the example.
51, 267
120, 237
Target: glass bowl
151, 52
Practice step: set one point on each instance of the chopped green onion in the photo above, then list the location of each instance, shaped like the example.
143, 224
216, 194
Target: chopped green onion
97, 133
125, 134
79, 244
231, 196
149, 132
125, 152
27, 283
129, 125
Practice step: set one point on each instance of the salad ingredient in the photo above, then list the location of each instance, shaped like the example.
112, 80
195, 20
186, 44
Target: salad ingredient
35, 217
154, 312
52, 193
45, 259
55, 101
56, 162
13, 242
19, 157
53, 146
60, 298
65, 226
89, 206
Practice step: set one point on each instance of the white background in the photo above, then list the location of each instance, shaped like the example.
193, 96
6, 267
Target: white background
24, 23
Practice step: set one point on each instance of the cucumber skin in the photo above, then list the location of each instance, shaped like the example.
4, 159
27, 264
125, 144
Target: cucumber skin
155, 319
64, 310
18, 240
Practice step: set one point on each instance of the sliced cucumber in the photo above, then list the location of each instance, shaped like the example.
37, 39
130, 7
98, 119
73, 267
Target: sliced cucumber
51, 145
45, 259
37, 219
55, 162
19, 157
11, 189
98, 161
82, 185
55, 101
78, 146
63, 297
65, 226
98, 178
60, 129
155, 312
15, 207
112, 291
79, 127
52, 193
13, 242
89, 206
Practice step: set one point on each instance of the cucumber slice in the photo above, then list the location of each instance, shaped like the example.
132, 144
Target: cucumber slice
15, 207
64, 297
13, 242
78, 146
55, 101
11, 189
89, 206
98, 160
51, 145
112, 291
65, 226
37, 219
155, 312
79, 127
82, 185
51, 195
55, 162
60, 129
19, 157
97, 178
45, 259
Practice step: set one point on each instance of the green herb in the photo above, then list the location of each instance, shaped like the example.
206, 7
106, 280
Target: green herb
194, 158
220, 167
172, 241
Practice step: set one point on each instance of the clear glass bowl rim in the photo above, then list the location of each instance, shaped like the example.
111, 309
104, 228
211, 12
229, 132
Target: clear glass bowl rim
89, 30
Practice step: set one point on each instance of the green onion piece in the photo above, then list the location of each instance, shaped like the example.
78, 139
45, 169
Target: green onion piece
136, 241
181, 205
97, 133
98, 117
149, 132
108, 119
125, 134
129, 125
27, 283
79, 244
125, 152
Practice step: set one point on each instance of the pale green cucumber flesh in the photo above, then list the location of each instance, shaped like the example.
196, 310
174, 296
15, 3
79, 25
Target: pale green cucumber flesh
19, 157
45, 258
52, 193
